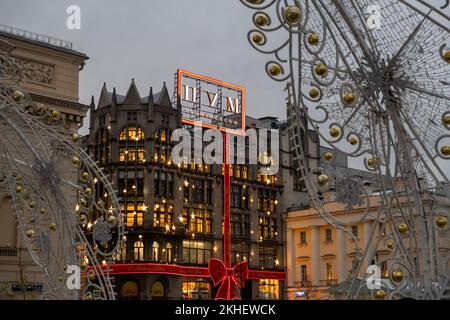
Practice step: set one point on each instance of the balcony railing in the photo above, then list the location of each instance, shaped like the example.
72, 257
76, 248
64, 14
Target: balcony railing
35, 37
328, 283
8, 252
303, 284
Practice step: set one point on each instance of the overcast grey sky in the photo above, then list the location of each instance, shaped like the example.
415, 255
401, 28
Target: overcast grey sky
149, 39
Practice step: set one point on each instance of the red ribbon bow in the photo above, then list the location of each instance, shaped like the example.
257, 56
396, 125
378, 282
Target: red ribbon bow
231, 279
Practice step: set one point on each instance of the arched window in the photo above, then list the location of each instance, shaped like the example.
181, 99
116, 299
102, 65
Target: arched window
138, 251
122, 252
169, 252
132, 147
155, 251
162, 150
102, 148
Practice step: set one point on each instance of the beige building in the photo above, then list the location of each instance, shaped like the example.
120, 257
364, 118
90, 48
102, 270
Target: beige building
51, 70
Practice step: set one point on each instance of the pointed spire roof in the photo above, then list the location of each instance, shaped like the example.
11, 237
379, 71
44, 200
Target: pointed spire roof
164, 98
104, 99
132, 96
114, 96
150, 96
92, 104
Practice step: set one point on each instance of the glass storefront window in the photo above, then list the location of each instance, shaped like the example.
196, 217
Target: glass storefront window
196, 288
268, 289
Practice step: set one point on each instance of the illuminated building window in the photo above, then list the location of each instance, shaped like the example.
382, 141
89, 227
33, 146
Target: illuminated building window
304, 272
197, 220
132, 154
329, 271
239, 252
268, 289
267, 200
155, 251
102, 148
196, 252
328, 236
131, 182
138, 251
240, 225
131, 133
303, 237
239, 197
164, 182
133, 215
168, 256
267, 257
163, 215
122, 252
162, 151
196, 288
267, 228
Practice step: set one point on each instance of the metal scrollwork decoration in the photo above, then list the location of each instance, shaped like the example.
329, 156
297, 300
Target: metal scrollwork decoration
52, 183
371, 78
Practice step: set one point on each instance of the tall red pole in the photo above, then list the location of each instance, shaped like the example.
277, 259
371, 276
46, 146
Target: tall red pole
226, 202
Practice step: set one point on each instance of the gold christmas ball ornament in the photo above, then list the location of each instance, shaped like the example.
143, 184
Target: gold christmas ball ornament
55, 114
19, 189
30, 233
42, 210
441, 221
84, 175
60, 279
75, 137
313, 39
262, 20
372, 162
446, 119
88, 296
292, 14
403, 228
258, 38
380, 294
322, 179
112, 218
275, 70
349, 98
32, 204
447, 56
39, 108
335, 132
88, 191
75, 160
321, 69
314, 93
390, 244
445, 150
328, 156
52, 226
398, 275
100, 203
83, 218
353, 140
32, 220
17, 96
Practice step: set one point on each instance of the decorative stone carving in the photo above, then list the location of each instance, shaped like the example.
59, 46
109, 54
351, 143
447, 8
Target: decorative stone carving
37, 71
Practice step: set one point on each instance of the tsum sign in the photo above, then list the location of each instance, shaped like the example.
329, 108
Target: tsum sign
213, 103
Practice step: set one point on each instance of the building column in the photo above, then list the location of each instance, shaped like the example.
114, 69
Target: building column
315, 259
341, 256
291, 257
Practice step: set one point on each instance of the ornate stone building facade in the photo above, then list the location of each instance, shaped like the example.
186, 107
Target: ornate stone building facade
51, 75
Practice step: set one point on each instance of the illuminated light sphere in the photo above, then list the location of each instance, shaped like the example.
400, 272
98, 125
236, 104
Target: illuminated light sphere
349, 98
30, 233
403, 228
446, 119
380, 294
353, 140
445, 150
17, 96
321, 69
83, 218
100, 203
447, 56
19, 189
112, 218
88, 191
52, 226
292, 14
328, 156
390, 244
275, 70
83, 202
258, 38
39, 108
55, 114
32, 204
372, 162
88, 296
75, 160
335, 132
42, 210
262, 20
442, 222
314, 93
398, 275
313, 39
75, 137
323, 179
